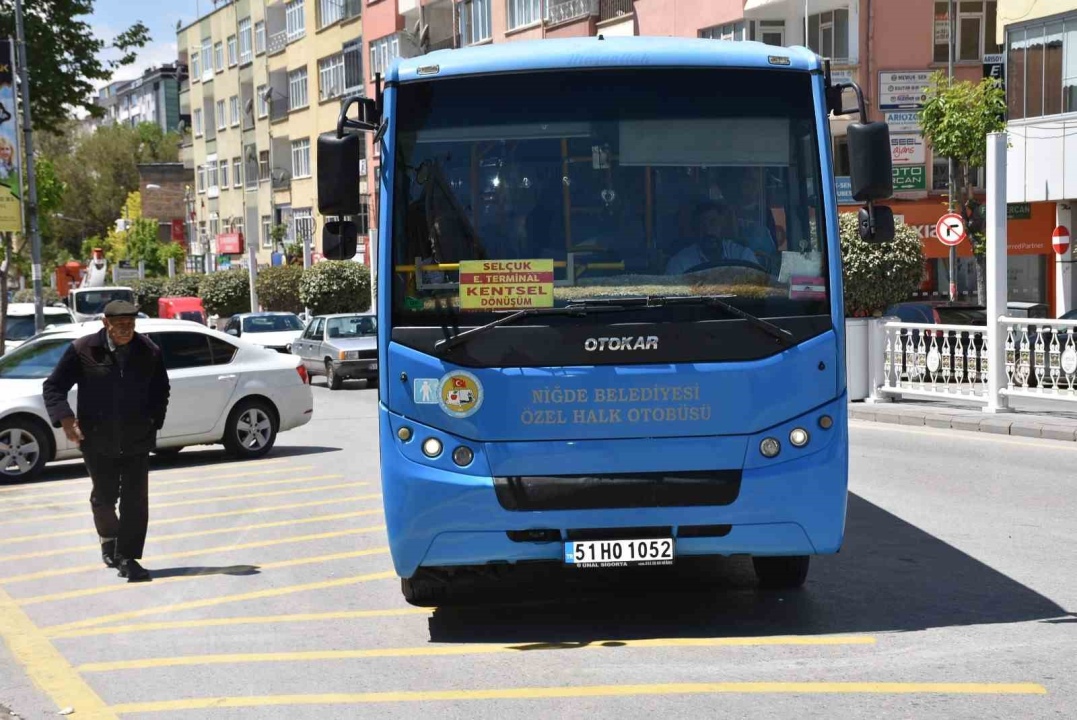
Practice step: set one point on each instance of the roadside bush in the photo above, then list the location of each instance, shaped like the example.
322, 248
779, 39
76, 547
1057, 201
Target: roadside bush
226, 293
147, 292
48, 296
183, 285
335, 286
278, 288
878, 275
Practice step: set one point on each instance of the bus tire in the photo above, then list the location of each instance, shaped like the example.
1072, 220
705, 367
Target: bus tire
424, 590
781, 573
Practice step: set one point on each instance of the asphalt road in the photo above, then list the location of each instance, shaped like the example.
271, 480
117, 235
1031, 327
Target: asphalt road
273, 596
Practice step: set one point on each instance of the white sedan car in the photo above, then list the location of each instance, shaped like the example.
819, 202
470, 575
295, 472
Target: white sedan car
224, 390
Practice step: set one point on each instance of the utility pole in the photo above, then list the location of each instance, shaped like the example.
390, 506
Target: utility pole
951, 186
28, 132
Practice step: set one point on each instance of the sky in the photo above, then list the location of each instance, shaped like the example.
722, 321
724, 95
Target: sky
111, 17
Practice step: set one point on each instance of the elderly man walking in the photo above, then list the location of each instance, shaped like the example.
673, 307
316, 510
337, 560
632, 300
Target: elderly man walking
123, 394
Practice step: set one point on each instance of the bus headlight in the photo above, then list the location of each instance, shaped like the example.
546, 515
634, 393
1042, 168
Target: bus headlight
770, 447
799, 437
431, 447
462, 456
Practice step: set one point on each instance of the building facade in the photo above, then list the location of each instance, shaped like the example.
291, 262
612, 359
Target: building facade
1041, 106
154, 97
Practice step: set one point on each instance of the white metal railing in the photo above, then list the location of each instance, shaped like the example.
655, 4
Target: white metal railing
1041, 358
938, 361
571, 9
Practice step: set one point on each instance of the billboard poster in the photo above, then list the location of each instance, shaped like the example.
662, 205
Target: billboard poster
10, 186
903, 90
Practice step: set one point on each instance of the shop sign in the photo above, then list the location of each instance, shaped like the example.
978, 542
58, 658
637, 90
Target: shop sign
907, 149
995, 68
903, 121
179, 234
903, 90
942, 30
230, 244
1018, 211
844, 186
10, 159
909, 178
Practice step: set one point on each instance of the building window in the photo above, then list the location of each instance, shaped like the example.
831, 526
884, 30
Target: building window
267, 238
524, 12
197, 119
212, 185
329, 12
250, 160
828, 34
1041, 72
246, 53
214, 225
303, 224
362, 220
201, 179
233, 109
382, 53
263, 104
259, 37
295, 21
222, 121
353, 66
301, 158
218, 57
331, 77
841, 156
297, 89
237, 172
233, 51
730, 31
207, 59
474, 21
940, 171
224, 175
769, 32
377, 180
263, 165
975, 30
196, 73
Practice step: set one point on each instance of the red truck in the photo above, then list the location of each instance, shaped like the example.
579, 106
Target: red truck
181, 308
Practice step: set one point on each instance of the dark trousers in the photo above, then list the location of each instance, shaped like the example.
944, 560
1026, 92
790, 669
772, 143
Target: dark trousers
124, 479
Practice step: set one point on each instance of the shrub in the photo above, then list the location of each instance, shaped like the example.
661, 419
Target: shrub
226, 293
278, 288
878, 275
48, 296
335, 286
147, 292
184, 285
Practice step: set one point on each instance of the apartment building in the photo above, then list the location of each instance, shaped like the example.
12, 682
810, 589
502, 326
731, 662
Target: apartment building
153, 97
266, 79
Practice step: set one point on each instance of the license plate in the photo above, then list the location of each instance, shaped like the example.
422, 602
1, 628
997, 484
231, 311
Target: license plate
619, 553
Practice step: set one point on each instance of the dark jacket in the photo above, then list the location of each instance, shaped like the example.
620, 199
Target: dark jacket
119, 411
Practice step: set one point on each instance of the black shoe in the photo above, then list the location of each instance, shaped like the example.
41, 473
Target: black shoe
108, 553
134, 572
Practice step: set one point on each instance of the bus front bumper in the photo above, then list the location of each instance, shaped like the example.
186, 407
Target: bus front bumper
439, 514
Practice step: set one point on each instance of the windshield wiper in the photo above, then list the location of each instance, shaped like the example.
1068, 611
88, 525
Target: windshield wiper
780, 334
576, 310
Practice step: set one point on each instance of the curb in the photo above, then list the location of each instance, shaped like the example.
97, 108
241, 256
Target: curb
1015, 424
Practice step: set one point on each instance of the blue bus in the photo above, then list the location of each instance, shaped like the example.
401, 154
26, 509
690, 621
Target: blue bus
610, 302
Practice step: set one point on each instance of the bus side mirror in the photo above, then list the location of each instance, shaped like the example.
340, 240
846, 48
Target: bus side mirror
871, 177
339, 240
338, 175
876, 224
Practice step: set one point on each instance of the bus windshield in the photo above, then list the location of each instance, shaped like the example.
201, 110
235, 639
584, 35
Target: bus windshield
605, 184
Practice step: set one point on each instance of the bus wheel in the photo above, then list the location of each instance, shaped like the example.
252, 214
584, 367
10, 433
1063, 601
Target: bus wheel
781, 573
423, 589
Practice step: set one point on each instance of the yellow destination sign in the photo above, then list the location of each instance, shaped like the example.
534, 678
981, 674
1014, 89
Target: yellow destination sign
506, 284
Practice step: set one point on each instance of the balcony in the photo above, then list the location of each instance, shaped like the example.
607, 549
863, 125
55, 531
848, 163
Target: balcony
568, 10
613, 9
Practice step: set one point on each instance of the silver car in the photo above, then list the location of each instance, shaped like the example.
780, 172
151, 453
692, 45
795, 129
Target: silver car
341, 347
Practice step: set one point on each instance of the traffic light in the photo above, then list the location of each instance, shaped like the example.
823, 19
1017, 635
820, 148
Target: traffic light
339, 240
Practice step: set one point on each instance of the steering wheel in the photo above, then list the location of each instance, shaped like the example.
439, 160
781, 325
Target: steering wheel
727, 262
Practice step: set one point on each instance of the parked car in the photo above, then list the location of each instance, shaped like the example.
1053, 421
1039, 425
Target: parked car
340, 347
224, 391
20, 322
274, 330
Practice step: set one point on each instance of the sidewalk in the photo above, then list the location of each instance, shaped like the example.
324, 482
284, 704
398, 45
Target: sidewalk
1020, 422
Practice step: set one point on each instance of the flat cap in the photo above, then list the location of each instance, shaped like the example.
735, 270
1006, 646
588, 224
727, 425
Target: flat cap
120, 308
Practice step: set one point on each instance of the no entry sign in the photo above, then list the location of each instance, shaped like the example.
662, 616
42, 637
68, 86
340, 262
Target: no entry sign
1060, 239
950, 229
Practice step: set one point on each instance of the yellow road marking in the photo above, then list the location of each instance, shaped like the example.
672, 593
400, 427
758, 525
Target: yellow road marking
226, 599
203, 516
196, 491
249, 620
44, 664
463, 649
537, 693
154, 483
200, 533
46, 484
195, 553
200, 501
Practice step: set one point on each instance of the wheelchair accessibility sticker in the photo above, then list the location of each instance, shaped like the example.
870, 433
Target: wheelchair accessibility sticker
460, 394
425, 391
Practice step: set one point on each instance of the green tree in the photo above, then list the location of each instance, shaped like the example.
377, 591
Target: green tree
335, 286
957, 118
65, 56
